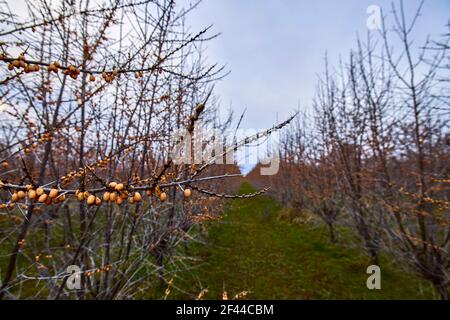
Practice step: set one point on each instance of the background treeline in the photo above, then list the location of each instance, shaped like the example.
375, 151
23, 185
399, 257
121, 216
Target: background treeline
373, 152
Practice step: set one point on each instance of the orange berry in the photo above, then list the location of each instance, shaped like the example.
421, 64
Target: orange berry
137, 197
43, 198
113, 185
39, 192
113, 197
32, 194
187, 193
14, 197
91, 200
53, 193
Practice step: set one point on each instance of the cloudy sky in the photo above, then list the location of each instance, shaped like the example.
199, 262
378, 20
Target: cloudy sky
275, 48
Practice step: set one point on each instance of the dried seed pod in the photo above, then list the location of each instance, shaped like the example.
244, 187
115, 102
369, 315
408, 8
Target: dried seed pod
187, 193
90, 200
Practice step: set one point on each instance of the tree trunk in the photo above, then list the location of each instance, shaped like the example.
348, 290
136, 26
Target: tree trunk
333, 238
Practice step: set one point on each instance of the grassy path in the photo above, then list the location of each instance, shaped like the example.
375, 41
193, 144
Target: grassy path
250, 249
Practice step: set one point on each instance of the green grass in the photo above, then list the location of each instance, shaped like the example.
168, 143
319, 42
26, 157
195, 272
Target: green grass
250, 249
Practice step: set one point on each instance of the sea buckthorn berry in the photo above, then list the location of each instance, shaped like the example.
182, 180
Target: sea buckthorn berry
113, 197
187, 193
32, 194
119, 187
163, 196
137, 197
21, 194
113, 185
14, 197
53, 193
39, 192
43, 198
90, 200
106, 196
